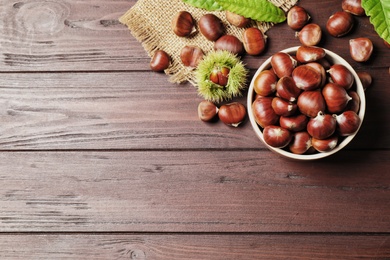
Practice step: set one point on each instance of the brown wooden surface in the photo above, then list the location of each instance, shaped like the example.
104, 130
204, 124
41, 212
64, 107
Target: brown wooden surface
103, 159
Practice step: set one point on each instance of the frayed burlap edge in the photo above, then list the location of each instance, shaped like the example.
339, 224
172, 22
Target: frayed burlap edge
149, 21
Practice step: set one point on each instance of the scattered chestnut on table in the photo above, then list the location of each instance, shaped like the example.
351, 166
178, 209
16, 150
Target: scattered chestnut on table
310, 35
211, 26
232, 114
229, 43
254, 41
191, 56
353, 6
183, 24
236, 19
360, 49
297, 17
207, 110
339, 24
160, 61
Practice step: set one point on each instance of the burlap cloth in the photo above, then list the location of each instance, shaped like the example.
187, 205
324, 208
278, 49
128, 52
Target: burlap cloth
149, 21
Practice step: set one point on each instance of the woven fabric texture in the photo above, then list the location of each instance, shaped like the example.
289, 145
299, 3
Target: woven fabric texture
149, 21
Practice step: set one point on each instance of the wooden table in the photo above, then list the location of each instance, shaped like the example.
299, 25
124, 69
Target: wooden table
103, 159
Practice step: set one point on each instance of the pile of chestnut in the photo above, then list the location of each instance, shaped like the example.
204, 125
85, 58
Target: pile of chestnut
213, 29
304, 101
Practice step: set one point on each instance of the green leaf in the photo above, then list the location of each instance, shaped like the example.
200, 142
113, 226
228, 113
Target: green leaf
258, 10
209, 5
379, 12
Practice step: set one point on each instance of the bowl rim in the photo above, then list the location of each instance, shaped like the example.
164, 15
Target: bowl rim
335, 59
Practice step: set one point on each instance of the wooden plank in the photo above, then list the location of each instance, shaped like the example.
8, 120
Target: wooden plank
187, 191
118, 111
194, 246
84, 35
68, 35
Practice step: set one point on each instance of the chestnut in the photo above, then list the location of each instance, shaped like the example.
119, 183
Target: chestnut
160, 61
322, 126
354, 103
360, 49
341, 76
236, 19
365, 78
183, 24
324, 145
283, 64
254, 41
265, 83
294, 123
263, 112
353, 6
307, 54
301, 142
207, 110
229, 43
311, 102
297, 17
220, 75
336, 97
347, 123
306, 77
287, 89
232, 114
339, 24
191, 56
310, 34
276, 136
211, 26
283, 107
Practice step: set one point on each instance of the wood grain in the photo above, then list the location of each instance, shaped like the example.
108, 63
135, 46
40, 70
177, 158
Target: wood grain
194, 246
119, 111
68, 36
86, 36
167, 191
103, 159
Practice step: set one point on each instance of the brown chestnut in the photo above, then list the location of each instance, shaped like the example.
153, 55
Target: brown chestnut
265, 83
341, 76
360, 49
183, 24
339, 24
263, 111
211, 26
254, 41
301, 142
232, 114
307, 54
229, 43
365, 78
283, 107
236, 19
311, 102
306, 77
297, 17
294, 123
283, 64
207, 110
336, 97
160, 61
353, 6
220, 75
191, 56
310, 34
276, 136
287, 89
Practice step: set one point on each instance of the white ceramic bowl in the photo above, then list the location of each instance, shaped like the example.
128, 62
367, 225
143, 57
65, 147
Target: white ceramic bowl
333, 58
